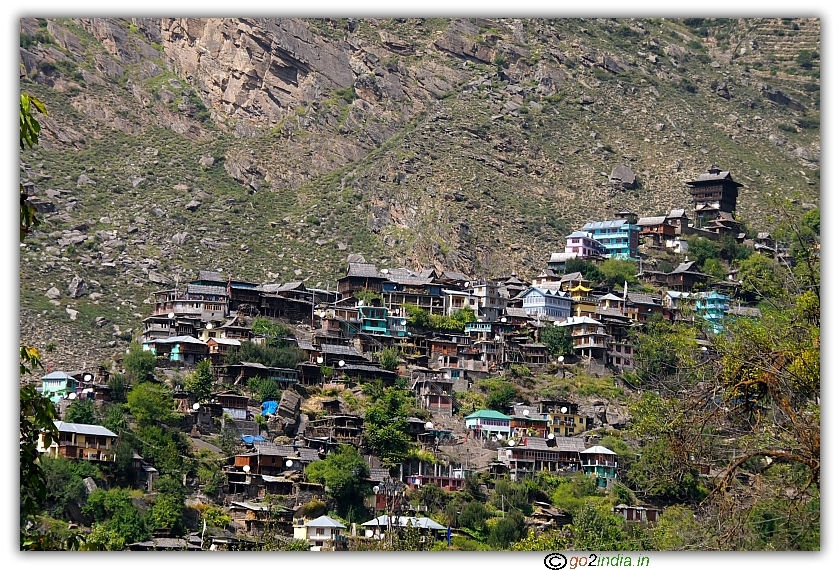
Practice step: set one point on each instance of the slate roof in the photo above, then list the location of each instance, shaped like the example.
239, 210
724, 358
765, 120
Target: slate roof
641, 299
291, 286
228, 341
379, 474
339, 349
305, 344
176, 339
744, 312
266, 448
363, 270
651, 221
676, 213
517, 312
204, 275
84, 429
562, 257
206, 289
579, 321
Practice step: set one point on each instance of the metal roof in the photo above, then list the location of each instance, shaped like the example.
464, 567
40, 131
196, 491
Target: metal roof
84, 429
487, 414
417, 522
325, 521
599, 449
57, 375
603, 225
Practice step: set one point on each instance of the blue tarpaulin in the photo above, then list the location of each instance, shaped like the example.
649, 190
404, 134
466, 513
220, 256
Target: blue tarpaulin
250, 439
269, 407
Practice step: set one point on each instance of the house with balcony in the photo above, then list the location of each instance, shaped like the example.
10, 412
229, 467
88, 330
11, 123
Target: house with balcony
585, 245
620, 238
360, 276
534, 454
589, 337
563, 417
81, 441
526, 421
404, 287
542, 303
711, 306
485, 424
491, 304
600, 463
434, 391
454, 300
217, 349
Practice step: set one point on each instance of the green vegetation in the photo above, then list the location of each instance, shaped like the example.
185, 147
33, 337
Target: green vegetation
343, 472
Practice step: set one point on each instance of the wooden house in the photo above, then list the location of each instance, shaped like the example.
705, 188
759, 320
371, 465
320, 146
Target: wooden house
686, 276
714, 191
217, 349
360, 276
534, 454
81, 441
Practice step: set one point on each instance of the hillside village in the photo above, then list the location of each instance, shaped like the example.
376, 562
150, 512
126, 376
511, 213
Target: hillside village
441, 382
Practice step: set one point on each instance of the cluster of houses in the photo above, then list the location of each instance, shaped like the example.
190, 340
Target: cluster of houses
344, 330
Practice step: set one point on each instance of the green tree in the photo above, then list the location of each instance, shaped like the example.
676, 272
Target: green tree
700, 249
139, 363
81, 412
150, 403
121, 521
715, 268
593, 529
616, 271
507, 530
275, 333
763, 277
386, 425
343, 471
119, 387
389, 358
588, 269
264, 389
65, 482
273, 356
473, 515
557, 340
501, 395
551, 541
200, 381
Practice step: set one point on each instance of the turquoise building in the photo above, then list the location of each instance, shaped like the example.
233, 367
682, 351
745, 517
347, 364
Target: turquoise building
601, 463
57, 385
711, 307
620, 238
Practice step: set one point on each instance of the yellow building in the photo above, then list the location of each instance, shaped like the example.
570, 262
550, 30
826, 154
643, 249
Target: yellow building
583, 304
81, 441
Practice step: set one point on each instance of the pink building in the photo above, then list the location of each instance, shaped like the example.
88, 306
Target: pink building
583, 244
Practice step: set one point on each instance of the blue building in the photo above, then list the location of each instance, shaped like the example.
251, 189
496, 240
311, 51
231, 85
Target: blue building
712, 306
57, 385
374, 320
620, 238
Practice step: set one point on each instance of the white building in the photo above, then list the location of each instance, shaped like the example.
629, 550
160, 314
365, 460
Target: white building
322, 533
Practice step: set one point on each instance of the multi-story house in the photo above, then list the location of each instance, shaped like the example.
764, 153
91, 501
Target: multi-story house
620, 238
535, 454
585, 245
57, 385
403, 287
491, 304
713, 192
81, 441
599, 462
488, 423
711, 306
563, 418
589, 337
546, 303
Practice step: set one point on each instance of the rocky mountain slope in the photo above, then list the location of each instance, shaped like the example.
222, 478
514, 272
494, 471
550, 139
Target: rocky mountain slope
272, 149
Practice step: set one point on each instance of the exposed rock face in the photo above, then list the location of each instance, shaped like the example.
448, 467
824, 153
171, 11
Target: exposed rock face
256, 68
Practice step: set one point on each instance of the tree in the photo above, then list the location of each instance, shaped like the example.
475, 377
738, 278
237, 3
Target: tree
81, 412
386, 425
588, 269
714, 267
700, 249
343, 471
616, 271
593, 529
65, 483
473, 515
29, 131
139, 363
557, 340
763, 277
501, 395
507, 530
150, 403
275, 333
118, 519
263, 388
200, 381
389, 358
119, 387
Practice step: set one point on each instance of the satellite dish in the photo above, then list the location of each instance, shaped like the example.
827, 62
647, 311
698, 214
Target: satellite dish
209, 326
341, 363
511, 442
429, 425
289, 463
171, 315
88, 377
71, 396
503, 319
384, 271
360, 303
564, 409
466, 283
556, 323
561, 358
320, 360
247, 468
196, 406
376, 488
551, 436
403, 322
526, 412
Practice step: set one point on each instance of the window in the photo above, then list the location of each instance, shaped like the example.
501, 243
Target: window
319, 531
